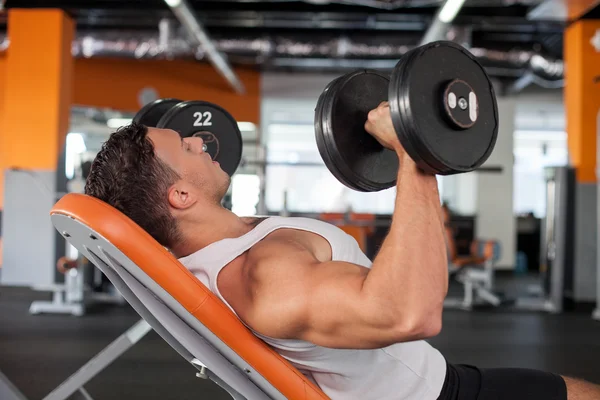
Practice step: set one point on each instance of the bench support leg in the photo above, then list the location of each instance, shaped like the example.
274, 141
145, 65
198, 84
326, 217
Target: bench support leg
100, 361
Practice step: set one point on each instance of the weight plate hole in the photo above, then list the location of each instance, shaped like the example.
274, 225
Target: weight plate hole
452, 100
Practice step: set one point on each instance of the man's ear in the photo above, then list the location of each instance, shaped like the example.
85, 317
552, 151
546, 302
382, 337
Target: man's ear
180, 197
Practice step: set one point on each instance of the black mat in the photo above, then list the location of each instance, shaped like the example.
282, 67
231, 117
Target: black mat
39, 352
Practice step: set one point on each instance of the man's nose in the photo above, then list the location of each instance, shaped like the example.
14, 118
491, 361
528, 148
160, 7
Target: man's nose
199, 144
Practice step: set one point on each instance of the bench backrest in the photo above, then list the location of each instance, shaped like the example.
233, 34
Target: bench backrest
176, 304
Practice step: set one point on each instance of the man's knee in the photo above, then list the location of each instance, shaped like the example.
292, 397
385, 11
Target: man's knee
578, 389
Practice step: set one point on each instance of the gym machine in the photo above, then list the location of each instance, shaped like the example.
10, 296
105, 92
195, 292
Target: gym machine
83, 283
555, 287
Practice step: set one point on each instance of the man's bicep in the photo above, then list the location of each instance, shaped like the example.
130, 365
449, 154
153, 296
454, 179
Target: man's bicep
322, 303
340, 315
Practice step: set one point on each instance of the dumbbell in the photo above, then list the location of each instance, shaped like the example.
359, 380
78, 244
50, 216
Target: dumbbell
442, 105
217, 127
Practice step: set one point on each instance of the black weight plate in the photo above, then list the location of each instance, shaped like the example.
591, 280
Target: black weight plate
356, 153
322, 129
344, 175
217, 128
438, 142
152, 112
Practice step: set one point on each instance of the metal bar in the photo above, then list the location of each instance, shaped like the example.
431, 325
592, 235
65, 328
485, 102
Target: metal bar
494, 169
436, 31
490, 169
8, 391
103, 359
197, 33
441, 21
521, 83
83, 394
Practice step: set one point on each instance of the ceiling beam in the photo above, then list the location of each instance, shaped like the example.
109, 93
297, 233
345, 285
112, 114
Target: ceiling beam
200, 37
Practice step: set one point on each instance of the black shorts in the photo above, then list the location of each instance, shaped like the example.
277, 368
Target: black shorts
465, 382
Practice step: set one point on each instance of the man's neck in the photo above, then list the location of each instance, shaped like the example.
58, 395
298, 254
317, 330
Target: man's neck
213, 226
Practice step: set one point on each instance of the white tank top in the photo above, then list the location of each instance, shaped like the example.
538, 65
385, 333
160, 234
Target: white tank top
411, 370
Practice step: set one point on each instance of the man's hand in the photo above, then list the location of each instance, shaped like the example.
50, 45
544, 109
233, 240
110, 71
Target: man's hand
379, 125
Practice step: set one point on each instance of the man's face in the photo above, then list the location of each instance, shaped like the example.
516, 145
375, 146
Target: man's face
446, 214
188, 159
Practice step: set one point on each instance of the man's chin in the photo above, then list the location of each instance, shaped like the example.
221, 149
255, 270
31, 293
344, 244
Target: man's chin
225, 188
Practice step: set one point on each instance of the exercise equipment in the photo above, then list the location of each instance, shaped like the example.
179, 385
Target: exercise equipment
82, 287
176, 304
443, 109
477, 281
554, 290
152, 112
8, 391
76, 294
353, 156
217, 128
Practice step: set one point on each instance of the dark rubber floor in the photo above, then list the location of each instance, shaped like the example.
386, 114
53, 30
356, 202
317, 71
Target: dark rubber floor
39, 352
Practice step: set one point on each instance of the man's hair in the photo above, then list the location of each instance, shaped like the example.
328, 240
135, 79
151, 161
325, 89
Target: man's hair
128, 175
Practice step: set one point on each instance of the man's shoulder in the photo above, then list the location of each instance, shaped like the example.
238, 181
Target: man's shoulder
277, 249
275, 278
279, 243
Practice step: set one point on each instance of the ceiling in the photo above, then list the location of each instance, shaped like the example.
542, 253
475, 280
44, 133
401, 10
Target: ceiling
325, 35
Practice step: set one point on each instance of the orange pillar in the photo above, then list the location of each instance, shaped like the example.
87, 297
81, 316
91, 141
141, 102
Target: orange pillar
582, 95
36, 90
582, 105
2, 80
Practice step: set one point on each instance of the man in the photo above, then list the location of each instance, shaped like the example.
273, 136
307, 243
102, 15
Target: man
354, 327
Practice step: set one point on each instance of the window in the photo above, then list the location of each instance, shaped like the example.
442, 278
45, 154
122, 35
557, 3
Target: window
74, 148
245, 191
535, 150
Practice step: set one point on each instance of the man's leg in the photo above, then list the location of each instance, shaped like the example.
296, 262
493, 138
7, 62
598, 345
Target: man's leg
581, 390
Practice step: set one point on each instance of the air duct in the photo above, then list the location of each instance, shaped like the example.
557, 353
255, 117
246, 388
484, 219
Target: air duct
289, 51
396, 4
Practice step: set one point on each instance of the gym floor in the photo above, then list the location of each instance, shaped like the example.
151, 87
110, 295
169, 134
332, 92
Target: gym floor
39, 352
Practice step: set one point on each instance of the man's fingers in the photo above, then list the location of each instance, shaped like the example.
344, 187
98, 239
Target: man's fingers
368, 126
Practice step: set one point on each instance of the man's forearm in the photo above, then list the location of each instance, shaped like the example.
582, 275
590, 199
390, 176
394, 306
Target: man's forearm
409, 275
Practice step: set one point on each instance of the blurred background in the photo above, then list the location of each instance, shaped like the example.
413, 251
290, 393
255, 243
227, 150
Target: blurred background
73, 71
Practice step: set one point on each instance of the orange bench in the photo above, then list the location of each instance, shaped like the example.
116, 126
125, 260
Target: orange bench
359, 226
174, 303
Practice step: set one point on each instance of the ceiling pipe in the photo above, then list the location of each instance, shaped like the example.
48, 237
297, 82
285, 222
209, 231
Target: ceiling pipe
441, 21
329, 53
397, 4
530, 78
382, 4
262, 49
199, 36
